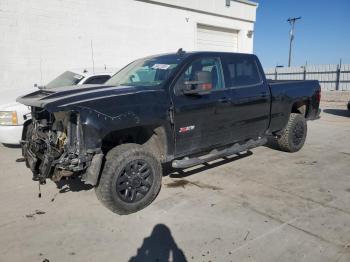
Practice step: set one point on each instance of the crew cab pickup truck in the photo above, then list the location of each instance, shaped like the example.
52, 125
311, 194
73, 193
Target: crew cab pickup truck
184, 108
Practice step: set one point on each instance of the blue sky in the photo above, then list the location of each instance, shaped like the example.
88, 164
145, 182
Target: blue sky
322, 36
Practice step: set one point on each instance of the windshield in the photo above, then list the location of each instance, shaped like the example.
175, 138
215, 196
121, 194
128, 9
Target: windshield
146, 72
66, 79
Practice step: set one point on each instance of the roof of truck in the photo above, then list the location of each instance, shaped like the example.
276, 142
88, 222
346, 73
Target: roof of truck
185, 54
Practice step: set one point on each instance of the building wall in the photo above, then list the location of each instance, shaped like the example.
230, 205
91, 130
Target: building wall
40, 38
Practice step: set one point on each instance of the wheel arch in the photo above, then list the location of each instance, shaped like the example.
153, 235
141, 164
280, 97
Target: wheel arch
301, 107
154, 137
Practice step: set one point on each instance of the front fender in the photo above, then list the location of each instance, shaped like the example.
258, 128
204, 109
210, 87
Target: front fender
96, 125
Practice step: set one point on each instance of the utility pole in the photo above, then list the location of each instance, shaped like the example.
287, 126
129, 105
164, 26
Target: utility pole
291, 36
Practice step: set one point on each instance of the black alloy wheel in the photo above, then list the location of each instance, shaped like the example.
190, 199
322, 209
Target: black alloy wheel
135, 180
294, 134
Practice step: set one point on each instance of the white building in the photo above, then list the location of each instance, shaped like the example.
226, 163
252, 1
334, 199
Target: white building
40, 38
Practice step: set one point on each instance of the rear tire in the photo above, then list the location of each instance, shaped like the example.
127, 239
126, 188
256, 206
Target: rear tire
294, 134
130, 180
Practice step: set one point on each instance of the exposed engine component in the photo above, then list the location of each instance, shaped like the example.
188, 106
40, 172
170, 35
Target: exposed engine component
61, 173
51, 147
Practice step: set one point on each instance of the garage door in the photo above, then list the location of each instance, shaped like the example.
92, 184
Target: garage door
210, 38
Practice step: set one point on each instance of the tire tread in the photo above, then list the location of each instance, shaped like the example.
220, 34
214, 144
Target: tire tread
284, 142
114, 158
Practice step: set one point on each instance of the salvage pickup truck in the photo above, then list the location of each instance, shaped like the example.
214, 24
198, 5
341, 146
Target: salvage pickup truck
184, 108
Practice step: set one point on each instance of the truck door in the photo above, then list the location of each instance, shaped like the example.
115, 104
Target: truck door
250, 96
200, 121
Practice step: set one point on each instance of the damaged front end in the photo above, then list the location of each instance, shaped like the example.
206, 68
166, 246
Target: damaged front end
53, 147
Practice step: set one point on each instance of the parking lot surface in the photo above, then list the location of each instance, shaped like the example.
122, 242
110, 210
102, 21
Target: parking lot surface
265, 205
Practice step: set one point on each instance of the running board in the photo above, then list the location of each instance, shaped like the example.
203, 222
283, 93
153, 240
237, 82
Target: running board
236, 148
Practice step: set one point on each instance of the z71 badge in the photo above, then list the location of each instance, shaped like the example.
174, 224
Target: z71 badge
186, 129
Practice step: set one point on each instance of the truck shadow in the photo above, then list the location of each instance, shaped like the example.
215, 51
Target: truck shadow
75, 184
72, 185
12, 146
159, 246
272, 144
181, 173
338, 112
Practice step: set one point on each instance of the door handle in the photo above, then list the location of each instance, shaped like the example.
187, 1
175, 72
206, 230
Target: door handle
224, 100
263, 94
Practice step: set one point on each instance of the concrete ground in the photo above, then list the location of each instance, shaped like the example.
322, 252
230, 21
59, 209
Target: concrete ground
264, 206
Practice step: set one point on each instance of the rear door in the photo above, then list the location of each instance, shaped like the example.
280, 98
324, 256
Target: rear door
250, 96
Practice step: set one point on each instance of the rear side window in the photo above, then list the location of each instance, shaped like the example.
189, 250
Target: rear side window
97, 79
242, 71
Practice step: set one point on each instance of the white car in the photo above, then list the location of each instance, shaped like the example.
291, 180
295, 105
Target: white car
13, 114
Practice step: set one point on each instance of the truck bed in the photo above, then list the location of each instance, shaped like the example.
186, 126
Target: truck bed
285, 93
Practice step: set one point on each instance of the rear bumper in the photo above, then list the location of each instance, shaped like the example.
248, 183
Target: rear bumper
11, 134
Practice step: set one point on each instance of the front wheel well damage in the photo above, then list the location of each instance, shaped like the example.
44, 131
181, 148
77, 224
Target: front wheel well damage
152, 137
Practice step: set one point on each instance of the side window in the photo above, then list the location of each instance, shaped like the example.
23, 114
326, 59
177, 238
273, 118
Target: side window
211, 65
243, 71
97, 79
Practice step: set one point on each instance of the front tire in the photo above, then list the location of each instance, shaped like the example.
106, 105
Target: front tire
294, 135
130, 180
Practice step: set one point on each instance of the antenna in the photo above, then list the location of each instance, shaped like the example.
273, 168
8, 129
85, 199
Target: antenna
92, 58
291, 21
41, 71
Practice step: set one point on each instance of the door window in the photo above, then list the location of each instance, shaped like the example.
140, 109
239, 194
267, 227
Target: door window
211, 65
243, 71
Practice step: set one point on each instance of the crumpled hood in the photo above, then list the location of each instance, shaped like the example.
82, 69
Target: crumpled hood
58, 99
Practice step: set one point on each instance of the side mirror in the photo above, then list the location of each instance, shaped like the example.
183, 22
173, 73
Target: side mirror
202, 84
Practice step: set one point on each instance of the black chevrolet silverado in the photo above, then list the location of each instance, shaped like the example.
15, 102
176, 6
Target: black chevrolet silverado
185, 108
